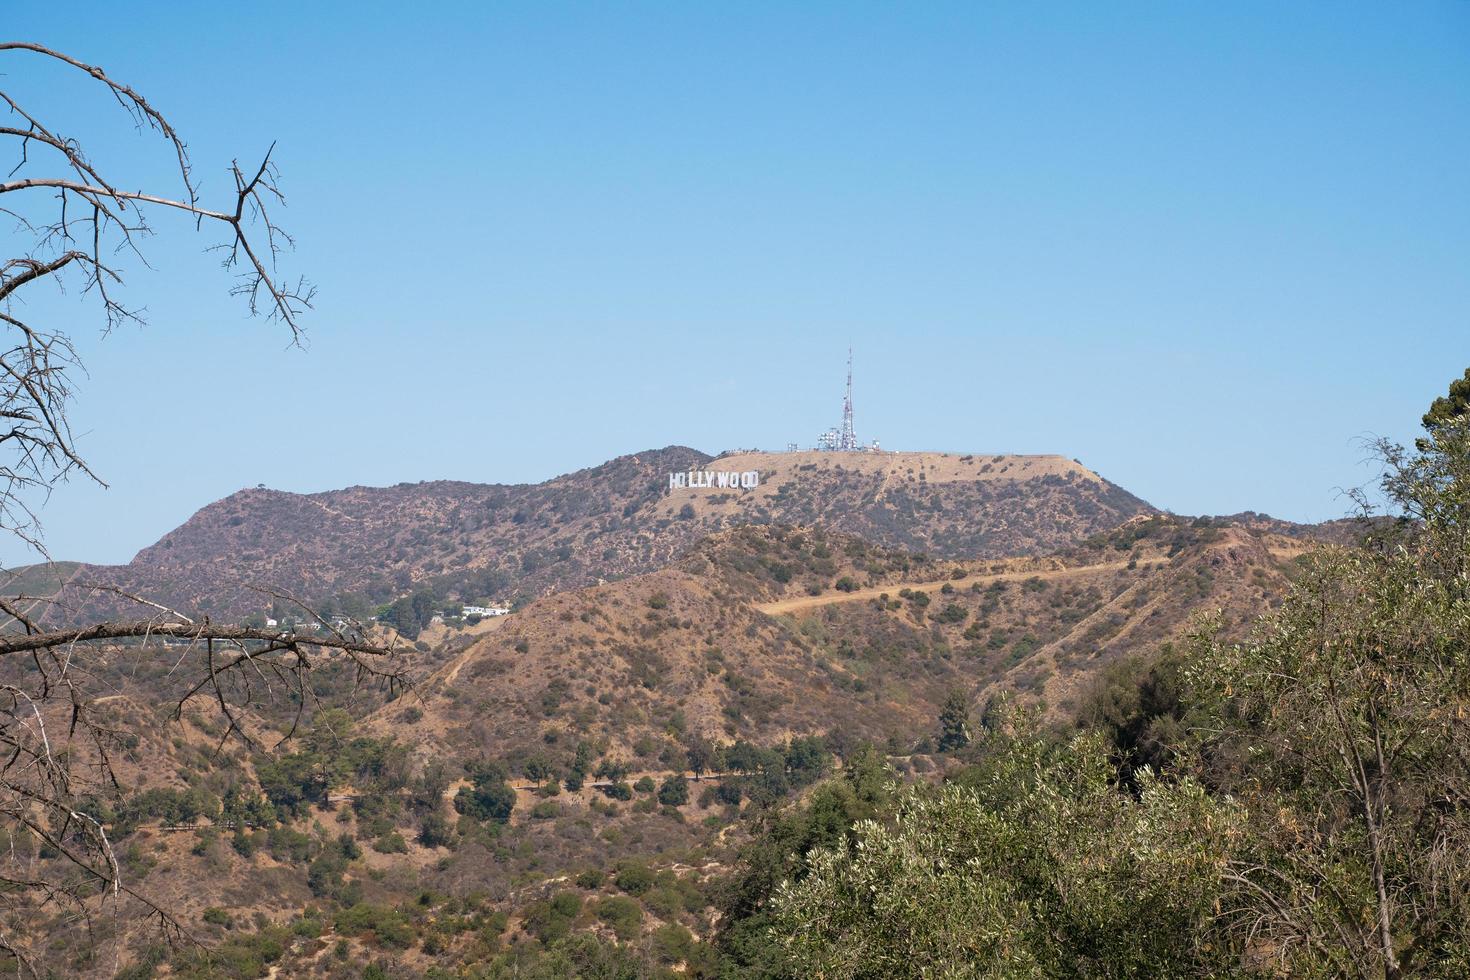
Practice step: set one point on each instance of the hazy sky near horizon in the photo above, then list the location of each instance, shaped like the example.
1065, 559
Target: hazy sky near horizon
1207, 250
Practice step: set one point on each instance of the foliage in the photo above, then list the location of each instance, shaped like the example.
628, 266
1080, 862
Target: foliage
674, 791
1454, 405
954, 721
1142, 707
409, 615
779, 851
634, 878
623, 915
490, 798
1032, 866
1346, 721
386, 924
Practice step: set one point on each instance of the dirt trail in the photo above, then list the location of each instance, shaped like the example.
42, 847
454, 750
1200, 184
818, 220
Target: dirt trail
1279, 552
469, 654
787, 606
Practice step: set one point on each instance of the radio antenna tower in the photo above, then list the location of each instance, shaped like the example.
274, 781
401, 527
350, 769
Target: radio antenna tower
848, 440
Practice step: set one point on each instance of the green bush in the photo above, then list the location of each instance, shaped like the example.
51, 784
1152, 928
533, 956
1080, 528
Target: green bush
952, 613
387, 924
435, 830
634, 878
567, 904
543, 922
674, 791
672, 943
489, 799
622, 915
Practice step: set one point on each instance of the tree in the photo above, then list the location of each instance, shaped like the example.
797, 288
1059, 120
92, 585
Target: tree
75, 223
76, 220
1455, 405
674, 791
778, 851
435, 830
701, 755
489, 798
1346, 718
1033, 866
954, 721
581, 765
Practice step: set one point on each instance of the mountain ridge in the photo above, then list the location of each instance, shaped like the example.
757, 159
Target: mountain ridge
619, 518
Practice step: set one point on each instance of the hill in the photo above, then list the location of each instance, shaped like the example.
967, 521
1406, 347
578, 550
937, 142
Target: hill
756, 637
362, 546
762, 633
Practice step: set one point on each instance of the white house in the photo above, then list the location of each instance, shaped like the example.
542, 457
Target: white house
483, 611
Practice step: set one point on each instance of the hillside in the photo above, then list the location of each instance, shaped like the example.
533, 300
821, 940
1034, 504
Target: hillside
757, 636
747, 638
478, 541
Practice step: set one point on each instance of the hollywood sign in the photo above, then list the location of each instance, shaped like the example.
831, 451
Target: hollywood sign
716, 479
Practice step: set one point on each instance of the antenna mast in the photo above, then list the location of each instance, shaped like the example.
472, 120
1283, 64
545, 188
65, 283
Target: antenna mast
848, 440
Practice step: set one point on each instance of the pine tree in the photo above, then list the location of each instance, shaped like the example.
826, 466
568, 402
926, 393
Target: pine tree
954, 721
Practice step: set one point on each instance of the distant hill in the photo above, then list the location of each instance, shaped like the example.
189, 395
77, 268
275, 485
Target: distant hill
479, 541
29, 586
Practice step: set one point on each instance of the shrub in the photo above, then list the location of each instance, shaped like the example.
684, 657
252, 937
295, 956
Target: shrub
622, 915
952, 613
635, 879
845, 584
645, 785
672, 943
391, 843
542, 921
489, 799
387, 924
217, 916
674, 791
567, 904
435, 830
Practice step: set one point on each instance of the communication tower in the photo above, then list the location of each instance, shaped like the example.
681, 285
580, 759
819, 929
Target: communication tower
844, 439
847, 442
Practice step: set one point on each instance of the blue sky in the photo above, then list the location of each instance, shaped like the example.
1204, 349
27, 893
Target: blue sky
1204, 249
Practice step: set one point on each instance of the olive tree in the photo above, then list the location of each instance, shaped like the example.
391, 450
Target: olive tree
1033, 866
1348, 722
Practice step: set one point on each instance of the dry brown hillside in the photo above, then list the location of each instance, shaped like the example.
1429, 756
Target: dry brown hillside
493, 541
750, 637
